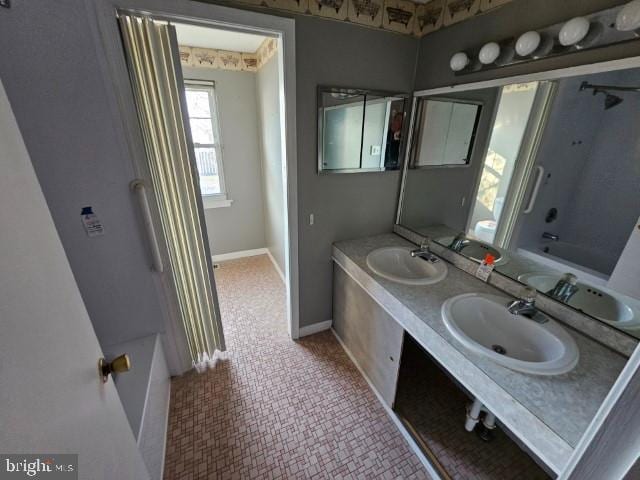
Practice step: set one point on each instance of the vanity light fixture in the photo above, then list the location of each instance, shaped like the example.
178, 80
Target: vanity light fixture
628, 18
528, 43
599, 29
574, 31
489, 53
459, 61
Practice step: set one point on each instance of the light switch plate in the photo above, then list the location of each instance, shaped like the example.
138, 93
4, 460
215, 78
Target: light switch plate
5, 3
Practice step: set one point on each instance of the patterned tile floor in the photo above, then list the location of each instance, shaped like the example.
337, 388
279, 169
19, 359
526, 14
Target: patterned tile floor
435, 407
277, 408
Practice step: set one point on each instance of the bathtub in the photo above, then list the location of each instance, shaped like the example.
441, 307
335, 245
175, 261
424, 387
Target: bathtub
566, 257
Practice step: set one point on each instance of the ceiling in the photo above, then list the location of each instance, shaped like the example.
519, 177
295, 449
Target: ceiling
209, 37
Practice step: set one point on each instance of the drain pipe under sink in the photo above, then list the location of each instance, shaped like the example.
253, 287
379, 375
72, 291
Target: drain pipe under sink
473, 416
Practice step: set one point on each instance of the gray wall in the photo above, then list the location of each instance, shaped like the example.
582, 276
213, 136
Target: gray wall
345, 205
510, 20
433, 195
268, 88
53, 79
240, 226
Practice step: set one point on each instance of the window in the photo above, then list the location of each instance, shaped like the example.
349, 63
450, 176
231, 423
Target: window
201, 105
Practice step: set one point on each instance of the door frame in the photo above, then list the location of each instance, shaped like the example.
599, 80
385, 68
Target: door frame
102, 20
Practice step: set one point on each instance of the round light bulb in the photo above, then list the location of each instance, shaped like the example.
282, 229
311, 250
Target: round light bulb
573, 31
628, 18
489, 53
459, 61
528, 43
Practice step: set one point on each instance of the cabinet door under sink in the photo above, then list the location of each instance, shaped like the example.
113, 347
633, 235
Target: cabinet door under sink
371, 335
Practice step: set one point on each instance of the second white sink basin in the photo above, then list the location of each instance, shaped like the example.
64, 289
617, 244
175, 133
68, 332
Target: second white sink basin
591, 300
483, 324
397, 264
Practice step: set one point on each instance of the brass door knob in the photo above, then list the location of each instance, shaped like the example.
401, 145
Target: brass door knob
119, 364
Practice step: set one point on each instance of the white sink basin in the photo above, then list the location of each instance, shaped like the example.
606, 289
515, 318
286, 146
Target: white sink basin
483, 324
590, 300
477, 250
397, 264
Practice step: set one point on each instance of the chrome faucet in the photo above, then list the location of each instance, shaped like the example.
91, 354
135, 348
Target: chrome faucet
565, 288
551, 236
526, 306
424, 252
459, 243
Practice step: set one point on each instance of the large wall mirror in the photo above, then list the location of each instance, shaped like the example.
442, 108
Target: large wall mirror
360, 130
552, 190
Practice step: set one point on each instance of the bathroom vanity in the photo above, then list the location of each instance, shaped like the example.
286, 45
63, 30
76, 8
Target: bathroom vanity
548, 414
539, 179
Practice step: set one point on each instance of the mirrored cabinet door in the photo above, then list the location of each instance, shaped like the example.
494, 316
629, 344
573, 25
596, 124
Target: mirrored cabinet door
360, 130
445, 132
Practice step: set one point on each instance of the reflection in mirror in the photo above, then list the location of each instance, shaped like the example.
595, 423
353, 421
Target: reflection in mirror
359, 130
551, 191
444, 132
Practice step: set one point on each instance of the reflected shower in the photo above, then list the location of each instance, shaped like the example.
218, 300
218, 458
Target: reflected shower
610, 100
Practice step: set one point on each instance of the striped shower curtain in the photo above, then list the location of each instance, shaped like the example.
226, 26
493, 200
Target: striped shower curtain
151, 50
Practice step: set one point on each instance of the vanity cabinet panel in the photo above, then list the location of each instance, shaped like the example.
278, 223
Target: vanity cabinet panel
371, 335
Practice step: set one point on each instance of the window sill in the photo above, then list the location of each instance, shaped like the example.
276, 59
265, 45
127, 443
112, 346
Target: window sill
215, 202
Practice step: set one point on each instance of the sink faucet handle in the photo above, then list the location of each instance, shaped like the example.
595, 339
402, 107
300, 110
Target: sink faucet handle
424, 244
529, 294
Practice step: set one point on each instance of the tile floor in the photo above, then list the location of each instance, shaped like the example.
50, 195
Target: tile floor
277, 408
435, 407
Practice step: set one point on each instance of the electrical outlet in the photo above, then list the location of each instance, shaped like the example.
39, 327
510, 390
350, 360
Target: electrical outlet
5, 3
376, 149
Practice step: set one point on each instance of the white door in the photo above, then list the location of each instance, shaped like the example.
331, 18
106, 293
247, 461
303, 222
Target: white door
51, 398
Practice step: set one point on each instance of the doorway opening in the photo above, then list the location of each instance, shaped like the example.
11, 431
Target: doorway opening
509, 160
216, 103
233, 85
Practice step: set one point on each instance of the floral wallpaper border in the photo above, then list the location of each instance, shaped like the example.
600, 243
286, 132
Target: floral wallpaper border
227, 60
402, 16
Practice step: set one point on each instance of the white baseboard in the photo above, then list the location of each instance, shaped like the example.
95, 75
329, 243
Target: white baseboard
276, 266
394, 418
241, 254
315, 328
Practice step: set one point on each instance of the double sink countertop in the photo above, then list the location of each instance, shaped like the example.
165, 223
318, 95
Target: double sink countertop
548, 414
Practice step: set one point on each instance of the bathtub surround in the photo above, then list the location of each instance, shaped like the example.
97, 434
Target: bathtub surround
598, 151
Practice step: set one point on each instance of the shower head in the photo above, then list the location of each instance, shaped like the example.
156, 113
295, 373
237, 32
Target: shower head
611, 101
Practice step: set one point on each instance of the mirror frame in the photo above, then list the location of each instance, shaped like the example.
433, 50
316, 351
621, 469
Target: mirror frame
417, 110
625, 63
362, 91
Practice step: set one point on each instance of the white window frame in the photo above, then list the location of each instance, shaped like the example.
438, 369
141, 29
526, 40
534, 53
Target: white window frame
215, 200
